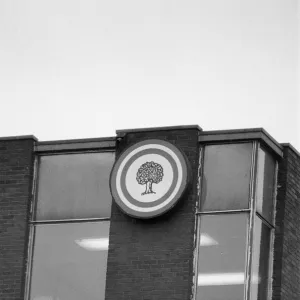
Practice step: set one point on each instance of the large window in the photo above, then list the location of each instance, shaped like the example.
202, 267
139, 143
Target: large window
70, 227
222, 256
226, 179
235, 222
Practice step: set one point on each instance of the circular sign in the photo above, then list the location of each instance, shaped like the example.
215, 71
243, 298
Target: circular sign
149, 178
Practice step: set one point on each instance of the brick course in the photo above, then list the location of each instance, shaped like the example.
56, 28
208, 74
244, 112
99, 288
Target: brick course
16, 172
153, 259
286, 275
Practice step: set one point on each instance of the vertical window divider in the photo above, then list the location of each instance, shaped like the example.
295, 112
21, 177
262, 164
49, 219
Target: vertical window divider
197, 223
271, 257
275, 193
272, 238
31, 230
29, 261
196, 256
33, 190
251, 221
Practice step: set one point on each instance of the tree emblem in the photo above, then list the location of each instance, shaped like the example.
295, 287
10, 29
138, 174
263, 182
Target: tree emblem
149, 173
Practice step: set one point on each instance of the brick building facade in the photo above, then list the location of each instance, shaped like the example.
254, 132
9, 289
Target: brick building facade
234, 233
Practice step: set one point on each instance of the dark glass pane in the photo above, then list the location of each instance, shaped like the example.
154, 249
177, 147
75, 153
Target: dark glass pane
260, 261
265, 184
226, 180
74, 186
69, 261
222, 256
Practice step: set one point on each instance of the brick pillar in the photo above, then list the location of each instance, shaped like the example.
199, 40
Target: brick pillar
286, 275
16, 173
153, 259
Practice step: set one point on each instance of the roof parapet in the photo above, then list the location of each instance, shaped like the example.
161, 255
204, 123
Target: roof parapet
241, 135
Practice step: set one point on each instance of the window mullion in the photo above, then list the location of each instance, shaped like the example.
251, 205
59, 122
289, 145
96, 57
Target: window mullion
28, 271
34, 189
31, 234
272, 237
63, 221
275, 193
215, 212
196, 257
198, 220
251, 221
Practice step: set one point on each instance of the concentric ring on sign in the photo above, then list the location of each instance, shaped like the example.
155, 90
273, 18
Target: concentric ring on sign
166, 195
170, 188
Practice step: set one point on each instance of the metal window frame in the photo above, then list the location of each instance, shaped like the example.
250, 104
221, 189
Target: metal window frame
51, 151
73, 151
197, 223
274, 194
76, 145
41, 154
270, 254
251, 211
249, 234
31, 234
271, 226
250, 230
229, 142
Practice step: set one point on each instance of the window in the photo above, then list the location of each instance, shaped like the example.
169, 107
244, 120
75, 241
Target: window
235, 222
70, 227
265, 184
260, 260
226, 178
222, 256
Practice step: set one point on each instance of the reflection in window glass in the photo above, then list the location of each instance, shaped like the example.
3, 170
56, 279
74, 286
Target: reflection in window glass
265, 184
222, 256
226, 182
260, 261
74, 186
69, 261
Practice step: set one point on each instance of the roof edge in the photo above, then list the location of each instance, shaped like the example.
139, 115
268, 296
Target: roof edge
242, 134
95, 144
71, 141
122, 132
19, 137
288, 145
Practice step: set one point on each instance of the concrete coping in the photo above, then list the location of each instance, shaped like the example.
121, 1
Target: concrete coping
242, 135
288, 145
213, 136
19, 137
76, 145
123, 132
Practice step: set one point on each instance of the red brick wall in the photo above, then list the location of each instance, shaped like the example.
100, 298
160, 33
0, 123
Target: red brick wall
286, 279
16, 172
153, 259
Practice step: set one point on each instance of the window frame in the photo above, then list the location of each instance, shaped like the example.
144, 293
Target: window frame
32, 223
274, 195
250, 178
271, 226
251, 211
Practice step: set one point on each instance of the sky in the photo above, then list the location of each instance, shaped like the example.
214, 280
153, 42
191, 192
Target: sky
85, 68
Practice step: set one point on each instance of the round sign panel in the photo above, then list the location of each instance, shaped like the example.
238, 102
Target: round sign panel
149, 178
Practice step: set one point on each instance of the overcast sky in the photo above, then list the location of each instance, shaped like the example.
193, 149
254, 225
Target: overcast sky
84, 68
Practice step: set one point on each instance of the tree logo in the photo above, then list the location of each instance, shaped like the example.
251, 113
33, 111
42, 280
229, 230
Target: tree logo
149, 173
149, 178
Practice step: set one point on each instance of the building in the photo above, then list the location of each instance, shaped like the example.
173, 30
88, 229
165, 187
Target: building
219, 217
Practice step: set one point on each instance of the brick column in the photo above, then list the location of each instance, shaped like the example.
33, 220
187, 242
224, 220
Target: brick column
286, 275
16, 173
153, 259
